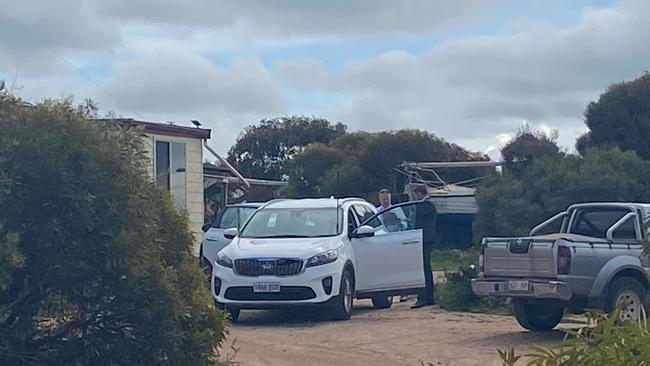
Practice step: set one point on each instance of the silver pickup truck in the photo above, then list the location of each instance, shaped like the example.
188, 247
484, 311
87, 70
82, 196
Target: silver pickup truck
590, 256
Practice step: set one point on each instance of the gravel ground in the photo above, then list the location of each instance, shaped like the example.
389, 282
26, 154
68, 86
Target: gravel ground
397, 336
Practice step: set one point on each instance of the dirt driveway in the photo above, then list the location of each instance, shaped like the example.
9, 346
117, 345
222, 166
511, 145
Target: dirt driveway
398, 336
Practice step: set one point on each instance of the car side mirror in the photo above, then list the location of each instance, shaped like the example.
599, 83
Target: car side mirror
205, 227
364, 232
230, 233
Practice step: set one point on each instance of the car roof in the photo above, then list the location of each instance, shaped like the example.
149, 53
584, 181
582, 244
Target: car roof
313, 202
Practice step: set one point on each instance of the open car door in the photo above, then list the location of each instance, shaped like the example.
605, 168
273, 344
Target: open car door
388, 253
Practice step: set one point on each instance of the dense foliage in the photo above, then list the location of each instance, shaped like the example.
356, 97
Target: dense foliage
608, 343
263, 150
95, 265
360, 163
513, 202
455, 293
621, 118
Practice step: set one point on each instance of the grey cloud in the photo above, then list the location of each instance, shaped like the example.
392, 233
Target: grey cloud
33, 32
337, 17
168, 82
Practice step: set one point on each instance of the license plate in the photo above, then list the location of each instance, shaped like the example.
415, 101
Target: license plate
518, 285
266, 287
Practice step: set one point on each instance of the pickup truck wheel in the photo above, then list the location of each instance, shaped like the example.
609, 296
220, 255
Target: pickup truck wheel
626, 295
538, 317
382, 302
341, 305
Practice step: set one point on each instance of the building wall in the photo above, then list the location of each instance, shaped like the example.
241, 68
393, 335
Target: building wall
193, 183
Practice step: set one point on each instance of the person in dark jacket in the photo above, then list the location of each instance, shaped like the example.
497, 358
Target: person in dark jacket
425, 219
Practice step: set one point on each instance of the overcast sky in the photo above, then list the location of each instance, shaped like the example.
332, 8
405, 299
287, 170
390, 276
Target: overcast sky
472, 72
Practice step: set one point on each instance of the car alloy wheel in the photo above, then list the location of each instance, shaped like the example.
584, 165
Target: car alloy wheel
347, 294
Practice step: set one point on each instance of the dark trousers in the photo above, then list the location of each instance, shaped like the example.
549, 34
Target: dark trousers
427, 295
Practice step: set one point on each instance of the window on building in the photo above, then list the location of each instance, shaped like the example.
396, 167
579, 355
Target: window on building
170, 171
162, 164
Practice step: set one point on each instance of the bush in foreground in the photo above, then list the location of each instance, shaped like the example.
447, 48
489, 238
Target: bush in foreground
95, 266
608, 343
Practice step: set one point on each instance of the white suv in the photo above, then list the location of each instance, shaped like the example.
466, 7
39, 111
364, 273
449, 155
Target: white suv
314, 251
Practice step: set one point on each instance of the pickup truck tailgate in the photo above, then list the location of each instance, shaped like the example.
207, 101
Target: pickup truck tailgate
520, 257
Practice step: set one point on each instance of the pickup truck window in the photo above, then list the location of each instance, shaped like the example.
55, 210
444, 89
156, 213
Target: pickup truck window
595, 223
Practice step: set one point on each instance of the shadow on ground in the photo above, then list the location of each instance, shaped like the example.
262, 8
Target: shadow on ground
505, 340
296, 316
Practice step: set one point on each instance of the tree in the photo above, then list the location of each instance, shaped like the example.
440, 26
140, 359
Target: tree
95, 263
263, 150
360, 163
620, 117
307, 168
526, 147
511, 205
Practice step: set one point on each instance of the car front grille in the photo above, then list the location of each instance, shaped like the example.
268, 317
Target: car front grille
268, 267
287, 293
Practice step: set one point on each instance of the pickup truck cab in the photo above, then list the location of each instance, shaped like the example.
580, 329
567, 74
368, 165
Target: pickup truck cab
590, 256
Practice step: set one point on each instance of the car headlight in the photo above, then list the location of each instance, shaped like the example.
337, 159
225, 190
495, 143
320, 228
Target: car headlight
223, 260
322, 258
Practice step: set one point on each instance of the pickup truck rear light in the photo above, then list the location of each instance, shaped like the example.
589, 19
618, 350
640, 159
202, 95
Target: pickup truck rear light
563, 260
481, 258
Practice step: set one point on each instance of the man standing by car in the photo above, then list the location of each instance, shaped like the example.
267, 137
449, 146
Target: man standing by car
425, 219
384, 199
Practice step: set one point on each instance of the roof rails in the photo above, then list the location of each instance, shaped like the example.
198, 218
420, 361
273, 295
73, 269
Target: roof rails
276, 200
339, 200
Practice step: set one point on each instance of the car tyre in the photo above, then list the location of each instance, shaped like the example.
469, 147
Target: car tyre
538, 317
232, 311
204, 264
382, 302
627, 295
341, 305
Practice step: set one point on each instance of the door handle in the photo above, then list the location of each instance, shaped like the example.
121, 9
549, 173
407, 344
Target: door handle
412, 241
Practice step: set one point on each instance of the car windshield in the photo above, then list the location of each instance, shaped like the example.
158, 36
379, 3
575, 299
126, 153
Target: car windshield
233, 217
294, 223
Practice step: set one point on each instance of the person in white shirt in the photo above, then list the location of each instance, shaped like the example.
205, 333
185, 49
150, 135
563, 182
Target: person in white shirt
384, 203
384, 199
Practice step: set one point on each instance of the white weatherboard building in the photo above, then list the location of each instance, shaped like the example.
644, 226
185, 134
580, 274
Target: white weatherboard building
177, 165
176, 155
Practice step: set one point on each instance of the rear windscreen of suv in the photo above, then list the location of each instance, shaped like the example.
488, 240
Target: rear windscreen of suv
232, 217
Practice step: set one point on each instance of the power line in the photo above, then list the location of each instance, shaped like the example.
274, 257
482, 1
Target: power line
69, 64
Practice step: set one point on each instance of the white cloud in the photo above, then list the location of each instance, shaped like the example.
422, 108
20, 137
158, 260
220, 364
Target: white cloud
472, 89
167, 82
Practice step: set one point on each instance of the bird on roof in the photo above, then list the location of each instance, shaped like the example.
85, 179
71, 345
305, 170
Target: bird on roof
196, 123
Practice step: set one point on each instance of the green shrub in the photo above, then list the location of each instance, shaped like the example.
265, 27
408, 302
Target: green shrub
95, 263
456, 293
452, 259
608, 343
